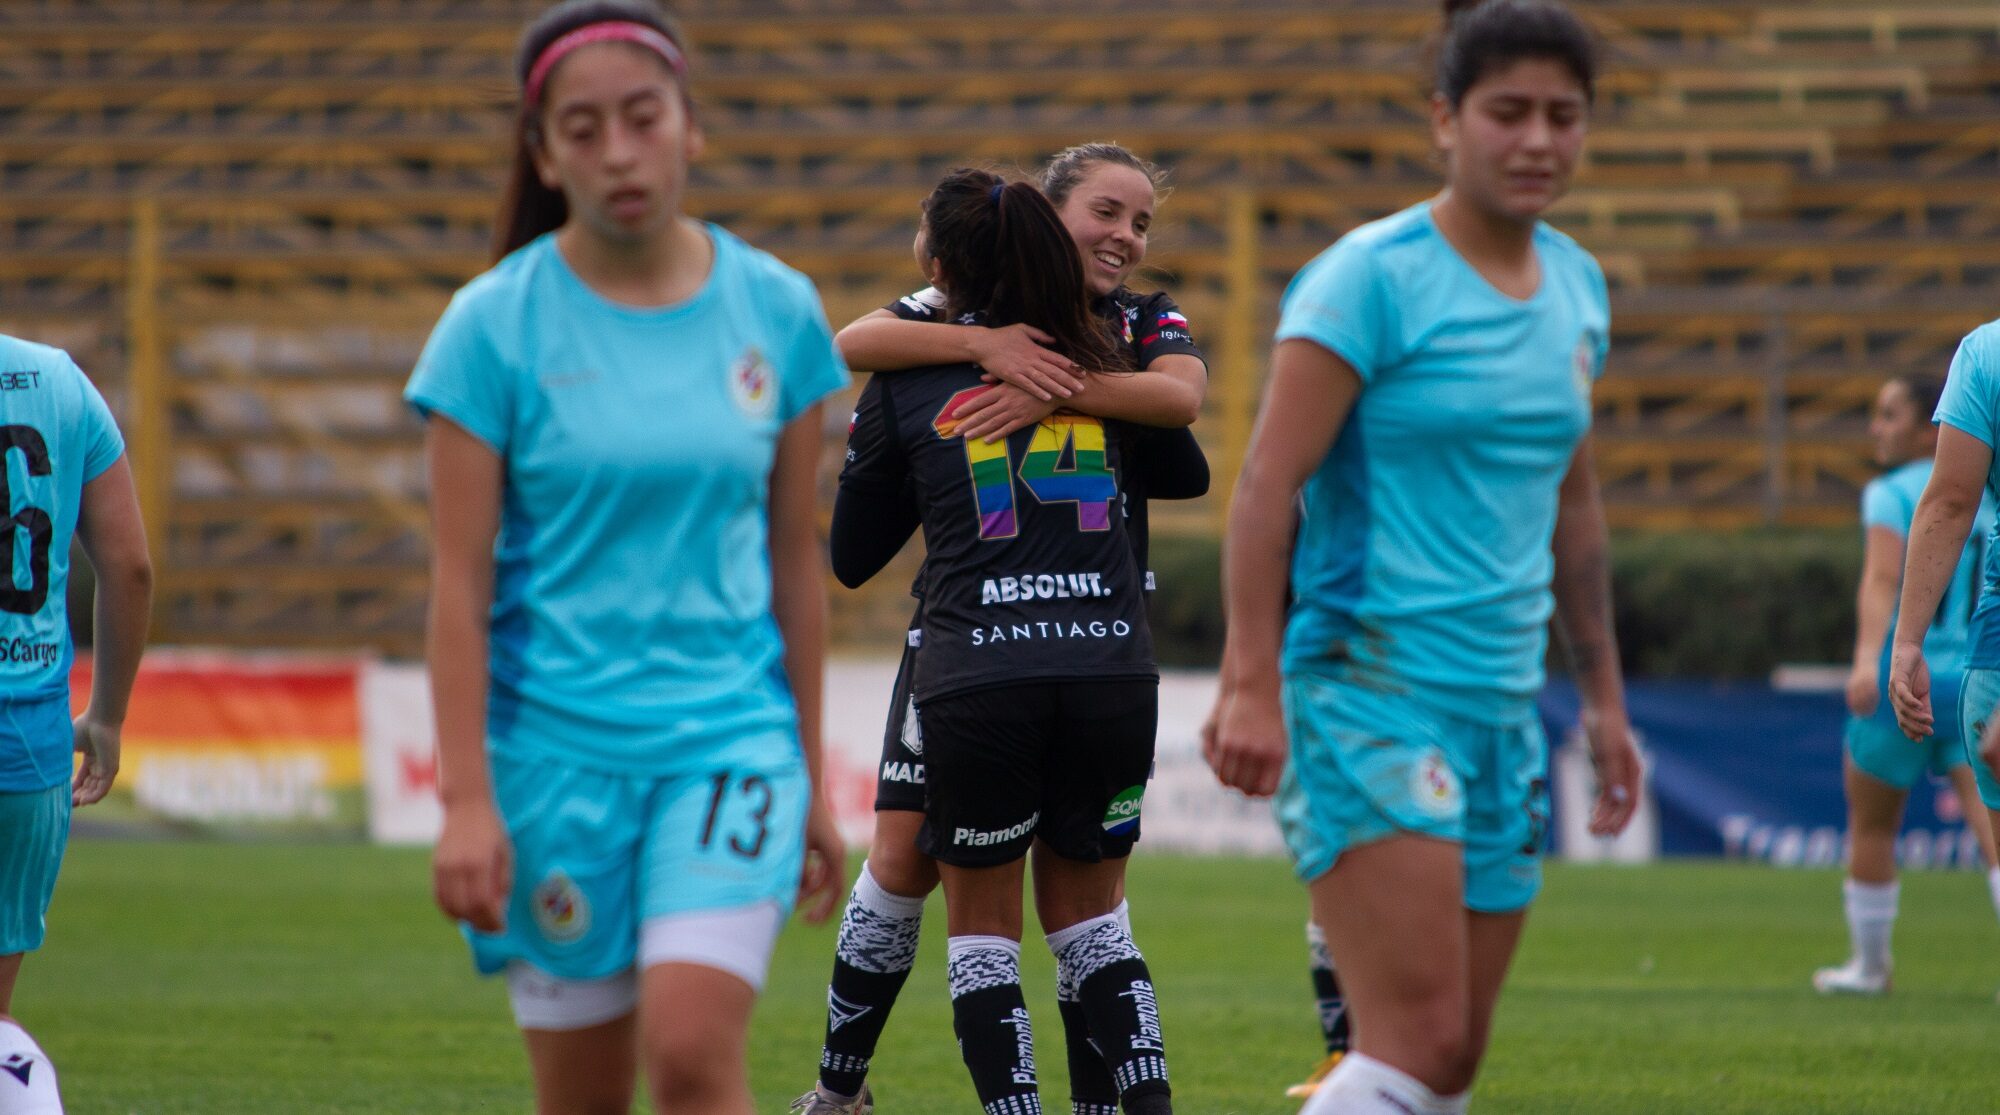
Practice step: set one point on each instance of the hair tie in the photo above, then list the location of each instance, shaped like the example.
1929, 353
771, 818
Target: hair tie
993, 195
612, 31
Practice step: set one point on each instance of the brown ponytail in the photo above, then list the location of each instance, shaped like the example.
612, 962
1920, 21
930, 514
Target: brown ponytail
1004, 254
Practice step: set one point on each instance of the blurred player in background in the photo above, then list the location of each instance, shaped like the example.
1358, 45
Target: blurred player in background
1430, 393
628, 612
65, 475
1968, 418
1883, 764
1034, 686
1106, 197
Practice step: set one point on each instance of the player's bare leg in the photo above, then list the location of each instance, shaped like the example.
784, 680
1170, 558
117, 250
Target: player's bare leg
1874, 813
589, 1071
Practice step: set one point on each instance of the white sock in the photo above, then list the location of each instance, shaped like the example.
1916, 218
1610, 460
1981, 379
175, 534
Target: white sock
870, 894
1871, 915
1362, 1085
27, 1079
1993, 886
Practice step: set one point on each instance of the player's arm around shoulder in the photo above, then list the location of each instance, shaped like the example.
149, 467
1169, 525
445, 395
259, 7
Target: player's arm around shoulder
913, 334
114, 539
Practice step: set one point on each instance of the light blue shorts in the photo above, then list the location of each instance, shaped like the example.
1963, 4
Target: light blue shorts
1367, 764
34, 830
1881, 750
597, 854
1976, 702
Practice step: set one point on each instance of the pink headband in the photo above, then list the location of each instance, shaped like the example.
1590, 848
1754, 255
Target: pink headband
609, 32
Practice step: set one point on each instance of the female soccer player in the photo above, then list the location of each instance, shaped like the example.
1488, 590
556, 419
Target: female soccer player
1035, 692
627, 616
1430, 399
57, 438
1968, 418
1106, 197
1882, 764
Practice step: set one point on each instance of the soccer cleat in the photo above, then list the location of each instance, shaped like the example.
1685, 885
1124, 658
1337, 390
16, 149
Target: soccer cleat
1305, 1088
815, 1103
1850, 979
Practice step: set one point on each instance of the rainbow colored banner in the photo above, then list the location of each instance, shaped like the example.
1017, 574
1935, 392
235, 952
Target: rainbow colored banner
221, 742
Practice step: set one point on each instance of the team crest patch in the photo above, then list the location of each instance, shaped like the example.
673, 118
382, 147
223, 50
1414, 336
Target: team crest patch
1434, 785
561, 911
753, 383
1582, 362
1123, 816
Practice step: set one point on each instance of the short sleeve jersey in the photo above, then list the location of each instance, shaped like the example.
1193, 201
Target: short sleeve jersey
1150, 325
57, 435
631, 626
1971, 404
1423, 558
1028, 574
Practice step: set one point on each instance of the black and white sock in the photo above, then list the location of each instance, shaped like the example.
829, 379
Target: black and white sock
1092, 1091
1334, 1024
1117, 994
991, 1020
878, 944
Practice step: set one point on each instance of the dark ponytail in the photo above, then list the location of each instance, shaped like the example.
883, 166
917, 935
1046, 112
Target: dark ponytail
1924, 390
1005, 255
529, 208
1482, 36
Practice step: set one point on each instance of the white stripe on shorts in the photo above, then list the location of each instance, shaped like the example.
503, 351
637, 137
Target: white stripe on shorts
738, 940
543, 1002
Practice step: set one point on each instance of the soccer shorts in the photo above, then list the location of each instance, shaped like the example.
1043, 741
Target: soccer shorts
34, 830
1976, 701
1881, 750
1368, 764
1066, 761
899, 785
598, 854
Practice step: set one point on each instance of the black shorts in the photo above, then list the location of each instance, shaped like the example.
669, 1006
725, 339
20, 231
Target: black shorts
899, 783
1066, 761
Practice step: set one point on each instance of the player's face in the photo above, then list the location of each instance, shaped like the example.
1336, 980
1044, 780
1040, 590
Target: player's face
617, 140
1109, 214
1513, 142
1900, 434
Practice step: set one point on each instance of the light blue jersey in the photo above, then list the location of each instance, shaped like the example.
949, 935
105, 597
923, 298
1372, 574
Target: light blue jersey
1890, 501
631, 625
1971, 403
57, 436
1423, 560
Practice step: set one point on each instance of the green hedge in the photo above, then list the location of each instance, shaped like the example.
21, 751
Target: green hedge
1686, 604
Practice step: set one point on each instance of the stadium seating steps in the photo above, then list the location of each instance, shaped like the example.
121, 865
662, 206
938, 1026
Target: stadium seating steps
1792, 202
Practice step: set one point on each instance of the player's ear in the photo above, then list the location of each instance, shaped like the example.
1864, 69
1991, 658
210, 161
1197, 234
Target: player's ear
696, 142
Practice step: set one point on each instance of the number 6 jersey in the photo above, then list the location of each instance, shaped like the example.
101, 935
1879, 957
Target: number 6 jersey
57, 435
1028, 574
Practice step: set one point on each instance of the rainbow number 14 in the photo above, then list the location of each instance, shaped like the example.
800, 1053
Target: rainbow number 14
1088, 483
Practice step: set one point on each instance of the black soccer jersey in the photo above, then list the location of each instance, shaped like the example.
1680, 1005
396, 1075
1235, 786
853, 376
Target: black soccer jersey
1151, 326
1029, 573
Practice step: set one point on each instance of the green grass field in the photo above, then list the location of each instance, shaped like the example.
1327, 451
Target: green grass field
231, 978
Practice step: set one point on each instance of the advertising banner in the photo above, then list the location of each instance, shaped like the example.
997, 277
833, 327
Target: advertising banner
1746, 771
222, 742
